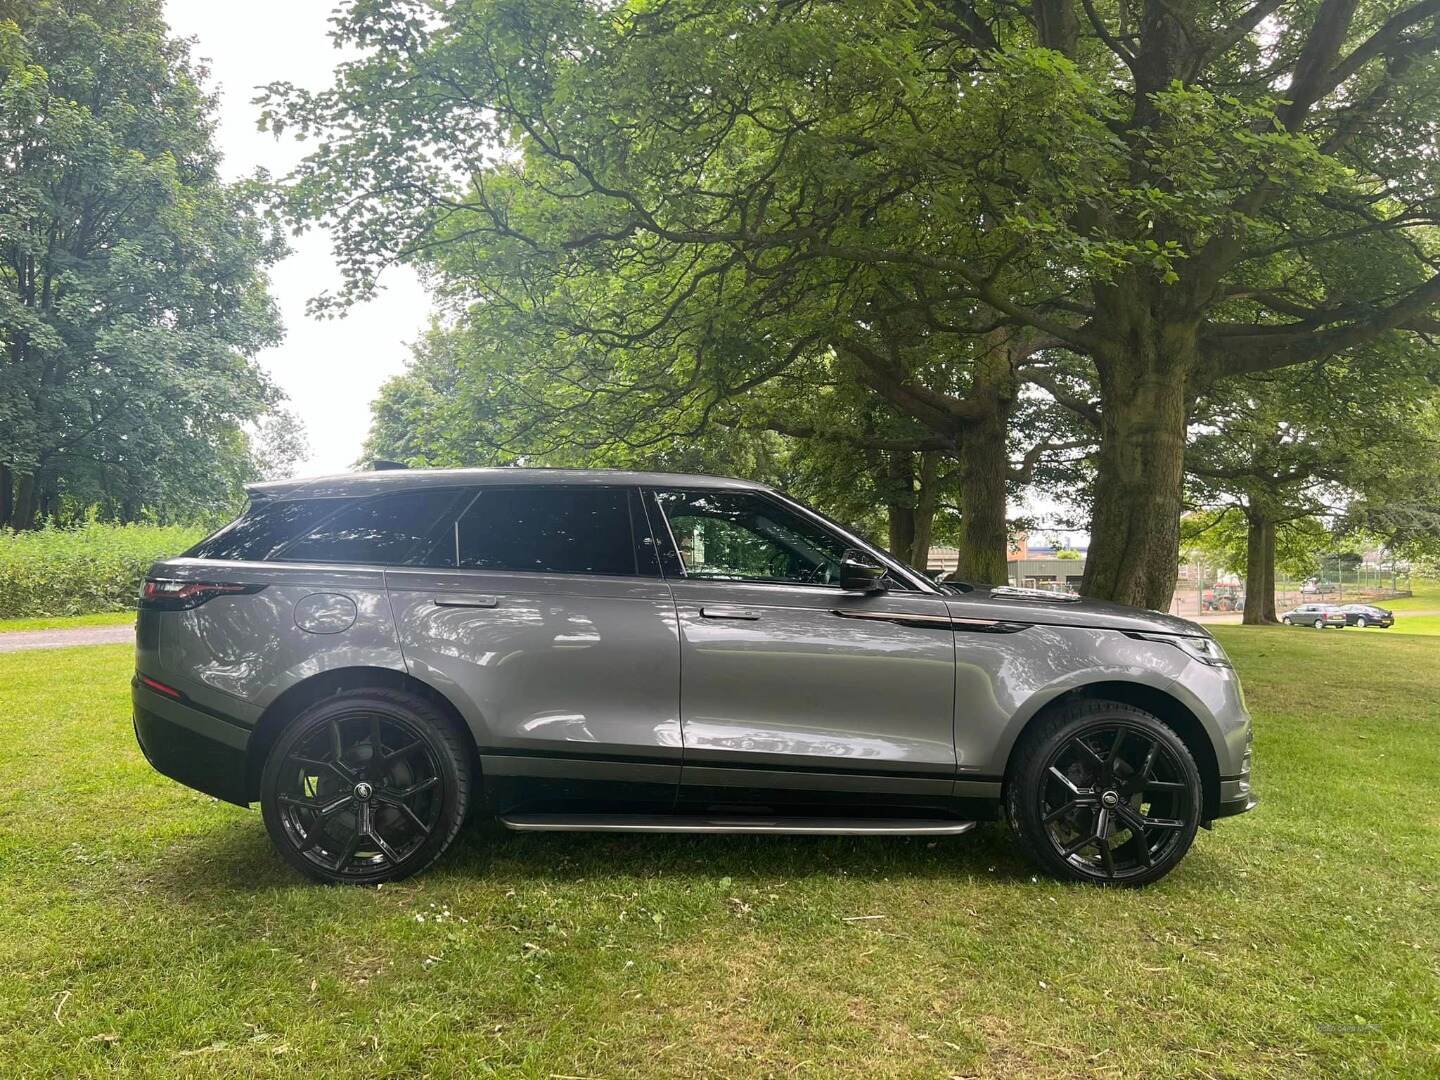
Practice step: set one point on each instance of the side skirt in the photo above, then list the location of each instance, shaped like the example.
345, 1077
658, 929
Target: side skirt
788, 826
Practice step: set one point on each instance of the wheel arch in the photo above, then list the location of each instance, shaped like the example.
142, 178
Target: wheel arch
1159, 703
316, 688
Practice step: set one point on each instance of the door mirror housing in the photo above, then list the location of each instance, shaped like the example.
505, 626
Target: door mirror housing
860, 573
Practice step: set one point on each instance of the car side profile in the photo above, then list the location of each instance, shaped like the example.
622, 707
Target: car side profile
1363, 615
374, 656
1317, 615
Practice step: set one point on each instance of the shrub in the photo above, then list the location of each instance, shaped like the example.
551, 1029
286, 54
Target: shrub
94, 567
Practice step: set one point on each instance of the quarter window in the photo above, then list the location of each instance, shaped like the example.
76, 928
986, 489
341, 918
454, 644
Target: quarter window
263, 529
553, 530
739, 536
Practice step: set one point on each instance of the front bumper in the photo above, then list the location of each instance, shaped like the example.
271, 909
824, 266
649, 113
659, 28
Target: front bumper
199, 748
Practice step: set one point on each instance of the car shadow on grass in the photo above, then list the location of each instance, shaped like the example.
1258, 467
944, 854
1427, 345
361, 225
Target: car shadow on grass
237, 857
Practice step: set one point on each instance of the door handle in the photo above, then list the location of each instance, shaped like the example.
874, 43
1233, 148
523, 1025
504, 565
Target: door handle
465, 600
749, 614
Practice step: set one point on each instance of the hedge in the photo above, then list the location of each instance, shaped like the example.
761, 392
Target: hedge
76, 571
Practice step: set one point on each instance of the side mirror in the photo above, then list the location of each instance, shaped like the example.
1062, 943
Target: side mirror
860, 573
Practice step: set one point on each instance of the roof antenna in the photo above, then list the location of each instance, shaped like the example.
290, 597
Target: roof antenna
381, 464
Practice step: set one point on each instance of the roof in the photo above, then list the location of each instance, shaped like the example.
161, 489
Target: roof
371, 483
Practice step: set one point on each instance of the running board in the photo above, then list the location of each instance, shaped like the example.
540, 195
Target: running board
787, 826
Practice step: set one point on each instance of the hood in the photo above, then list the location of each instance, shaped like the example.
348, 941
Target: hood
1038, 607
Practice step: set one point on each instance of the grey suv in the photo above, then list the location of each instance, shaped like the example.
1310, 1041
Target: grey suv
372, 656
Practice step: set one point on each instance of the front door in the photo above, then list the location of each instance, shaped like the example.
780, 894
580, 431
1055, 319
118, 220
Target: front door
793, 690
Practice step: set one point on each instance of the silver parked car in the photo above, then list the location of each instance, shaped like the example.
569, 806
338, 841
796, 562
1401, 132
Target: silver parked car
1317, 615
372, 656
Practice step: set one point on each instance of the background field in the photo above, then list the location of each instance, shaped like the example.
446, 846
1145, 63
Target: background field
146, 929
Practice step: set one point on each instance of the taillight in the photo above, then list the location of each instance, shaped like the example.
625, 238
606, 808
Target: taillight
170, 594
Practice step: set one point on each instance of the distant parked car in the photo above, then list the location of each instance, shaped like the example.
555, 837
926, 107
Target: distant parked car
1363, 615
1316, 615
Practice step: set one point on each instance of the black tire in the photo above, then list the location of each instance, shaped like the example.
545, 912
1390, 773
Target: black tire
1287, 622
337, 814
1319, 624
1056, 795
1360, 622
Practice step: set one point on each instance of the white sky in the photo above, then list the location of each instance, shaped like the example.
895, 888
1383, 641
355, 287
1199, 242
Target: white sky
330, 368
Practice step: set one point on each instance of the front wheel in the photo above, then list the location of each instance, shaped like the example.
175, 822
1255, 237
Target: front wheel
1105, 793
1360, 622
366, 786
1287, 622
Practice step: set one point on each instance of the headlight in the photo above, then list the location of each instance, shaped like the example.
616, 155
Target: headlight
1205, 649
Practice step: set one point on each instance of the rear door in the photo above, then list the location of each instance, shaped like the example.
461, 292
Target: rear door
792, 690
543, 613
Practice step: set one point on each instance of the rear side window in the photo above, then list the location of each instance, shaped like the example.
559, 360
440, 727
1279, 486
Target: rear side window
390, 530
263, 529
553, 530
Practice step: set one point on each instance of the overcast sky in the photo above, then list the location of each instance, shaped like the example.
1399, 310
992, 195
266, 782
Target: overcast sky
331, 368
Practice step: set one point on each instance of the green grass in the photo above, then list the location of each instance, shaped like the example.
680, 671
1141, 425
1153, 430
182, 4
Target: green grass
148, 930
65, 622
1425, 596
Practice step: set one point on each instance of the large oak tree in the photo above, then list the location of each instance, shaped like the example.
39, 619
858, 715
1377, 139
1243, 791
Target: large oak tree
1171, 193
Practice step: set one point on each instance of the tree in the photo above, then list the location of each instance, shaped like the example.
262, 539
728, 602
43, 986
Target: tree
1285, 449
1124, 186
132, 280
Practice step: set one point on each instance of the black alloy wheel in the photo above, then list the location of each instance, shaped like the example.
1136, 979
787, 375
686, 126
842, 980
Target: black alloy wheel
366, 786
1105, 793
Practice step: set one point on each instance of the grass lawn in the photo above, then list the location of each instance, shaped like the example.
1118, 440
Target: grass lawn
62, 622
146, 929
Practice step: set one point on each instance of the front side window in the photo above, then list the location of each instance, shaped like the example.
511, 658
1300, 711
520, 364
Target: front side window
564, 529
385, 530
742, 536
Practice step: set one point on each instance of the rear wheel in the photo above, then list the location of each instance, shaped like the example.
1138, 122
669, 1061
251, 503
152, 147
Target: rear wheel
1105, 793
366, 786
1319, 624
1360, 622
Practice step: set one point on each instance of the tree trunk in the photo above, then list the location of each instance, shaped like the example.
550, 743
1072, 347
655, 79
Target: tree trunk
1135, 528
984, 535
1259, 569
22, 514
6, 497
900, 503
925, 503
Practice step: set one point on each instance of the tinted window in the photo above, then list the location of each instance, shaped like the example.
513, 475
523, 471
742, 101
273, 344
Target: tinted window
555, 530
738, 536
387, 529
264, 529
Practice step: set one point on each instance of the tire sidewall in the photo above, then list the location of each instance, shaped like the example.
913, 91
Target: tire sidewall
413, 711
1022, 801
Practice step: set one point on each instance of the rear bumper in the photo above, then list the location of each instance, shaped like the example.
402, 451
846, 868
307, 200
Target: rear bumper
198, 748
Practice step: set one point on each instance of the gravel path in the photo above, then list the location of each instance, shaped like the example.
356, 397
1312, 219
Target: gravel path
16, 640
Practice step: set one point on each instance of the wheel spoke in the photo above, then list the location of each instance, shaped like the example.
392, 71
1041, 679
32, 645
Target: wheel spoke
343, 859
395, 755
1163, 823
1089, 750
377, 746
1070, 784
337, 744
1163, 785
1114, 758
314, 805
1060, 811
385, 849
415, 789
1084, 841
345, 775
1137, 826
404, 809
